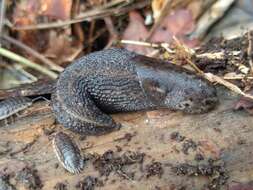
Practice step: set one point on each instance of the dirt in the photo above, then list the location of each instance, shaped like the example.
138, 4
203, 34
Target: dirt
89, 183
29, 178
215, 44
60, 186
214, 170
198, 157
5, 184
177, 137
227, 64
154, 169
113, 162
128, 137
187, 145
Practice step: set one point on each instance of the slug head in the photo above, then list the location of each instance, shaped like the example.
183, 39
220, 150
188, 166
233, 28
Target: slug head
179, 90
192, 98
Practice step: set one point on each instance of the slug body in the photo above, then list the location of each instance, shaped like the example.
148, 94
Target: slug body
13, 105
117, 80
68, 153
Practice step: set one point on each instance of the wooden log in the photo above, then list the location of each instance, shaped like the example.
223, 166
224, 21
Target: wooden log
221, 134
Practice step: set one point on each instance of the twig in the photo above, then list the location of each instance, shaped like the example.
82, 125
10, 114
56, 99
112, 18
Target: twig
26, 62
105, 7
214, 78
34, 53
25, 73
148, 44
77, 28
249, 51
111, 29
222, 56
140, 43
2, 16
87, 16
239, 77
216, 11
91, 31
163, 13
187, 54
169, 5
39, 88
16, 70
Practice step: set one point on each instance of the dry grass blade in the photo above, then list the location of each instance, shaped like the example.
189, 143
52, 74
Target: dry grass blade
34, 53
26, 62
249, 51
216, 79
167, 7
2, 16
216, 11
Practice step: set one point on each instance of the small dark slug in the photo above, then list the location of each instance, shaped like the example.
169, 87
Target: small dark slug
117, 80
68, 153
13, 105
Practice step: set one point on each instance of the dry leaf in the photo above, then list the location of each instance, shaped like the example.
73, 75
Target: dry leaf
61, 49
58, 9
136, 31
176, 24
157, 6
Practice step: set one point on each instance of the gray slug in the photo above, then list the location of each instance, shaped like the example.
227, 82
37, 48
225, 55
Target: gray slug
68, 153
117, 80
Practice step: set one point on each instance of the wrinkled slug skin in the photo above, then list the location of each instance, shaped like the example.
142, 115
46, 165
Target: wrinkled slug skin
117, 80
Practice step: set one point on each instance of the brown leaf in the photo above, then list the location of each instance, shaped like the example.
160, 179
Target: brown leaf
61, 49
176, 24
157, 6
29, 13
58, 9
136, 31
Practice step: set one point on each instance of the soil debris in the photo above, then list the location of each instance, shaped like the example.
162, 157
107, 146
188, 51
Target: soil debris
60, 186
29, 178
153, 169
177, 137
4, 183
128, 137
214, 170
110, 162
199, 157
189, 144
89, 183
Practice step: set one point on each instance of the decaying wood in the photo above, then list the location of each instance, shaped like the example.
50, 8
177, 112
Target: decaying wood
221, 134
33, 89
